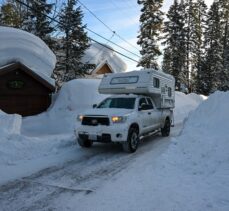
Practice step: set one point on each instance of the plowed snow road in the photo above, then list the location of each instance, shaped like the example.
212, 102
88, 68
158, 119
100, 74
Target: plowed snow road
50, 188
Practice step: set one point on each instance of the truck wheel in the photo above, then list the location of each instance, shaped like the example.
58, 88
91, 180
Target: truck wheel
84, 143
132, 142
165, 131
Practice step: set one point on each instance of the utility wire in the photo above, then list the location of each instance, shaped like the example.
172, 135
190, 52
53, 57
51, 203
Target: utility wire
53, 19
108, 26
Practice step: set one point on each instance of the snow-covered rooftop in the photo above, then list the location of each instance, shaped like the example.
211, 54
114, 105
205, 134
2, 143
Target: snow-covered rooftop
20, 46
98, 54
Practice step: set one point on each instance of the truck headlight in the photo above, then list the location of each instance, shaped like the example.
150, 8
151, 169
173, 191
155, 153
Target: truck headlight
80, 117
118, 119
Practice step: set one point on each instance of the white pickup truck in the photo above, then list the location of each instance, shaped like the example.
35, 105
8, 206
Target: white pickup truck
141, 103
123, 119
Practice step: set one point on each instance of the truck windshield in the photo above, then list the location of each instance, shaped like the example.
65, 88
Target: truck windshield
126, 103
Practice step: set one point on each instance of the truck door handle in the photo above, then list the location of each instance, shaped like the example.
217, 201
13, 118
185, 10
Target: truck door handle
149, 113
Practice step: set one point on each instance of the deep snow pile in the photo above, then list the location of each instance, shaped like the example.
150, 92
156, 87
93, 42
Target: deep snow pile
204, 142
20, 46
74, 97
10, 124
184, 104
201, 156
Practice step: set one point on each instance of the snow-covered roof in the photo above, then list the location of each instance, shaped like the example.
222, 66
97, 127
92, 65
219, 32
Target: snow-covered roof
20, 46
98, 54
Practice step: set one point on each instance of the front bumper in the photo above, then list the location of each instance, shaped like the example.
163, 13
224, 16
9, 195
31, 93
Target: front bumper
102, 133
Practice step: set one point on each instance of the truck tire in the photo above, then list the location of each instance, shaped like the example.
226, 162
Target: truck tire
84, 143
132, 142
165, 131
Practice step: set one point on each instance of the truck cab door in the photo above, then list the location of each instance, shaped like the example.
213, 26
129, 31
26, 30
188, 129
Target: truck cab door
155, 115
144, 114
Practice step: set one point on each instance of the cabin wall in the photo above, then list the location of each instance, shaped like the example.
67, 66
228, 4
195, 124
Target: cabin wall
30, 97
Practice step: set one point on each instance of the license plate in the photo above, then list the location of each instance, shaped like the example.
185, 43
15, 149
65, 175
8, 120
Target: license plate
93, 137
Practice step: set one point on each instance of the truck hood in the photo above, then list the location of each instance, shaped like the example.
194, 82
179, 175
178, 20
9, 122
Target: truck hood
107, 112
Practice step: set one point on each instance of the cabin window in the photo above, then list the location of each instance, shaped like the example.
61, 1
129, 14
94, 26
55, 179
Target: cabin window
169, 92
16, 84
156, 82
125, 80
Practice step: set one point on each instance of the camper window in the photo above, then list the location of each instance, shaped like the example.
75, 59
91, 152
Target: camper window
125, 80
156, 82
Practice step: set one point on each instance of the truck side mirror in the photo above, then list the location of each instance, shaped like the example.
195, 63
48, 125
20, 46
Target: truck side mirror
94, 105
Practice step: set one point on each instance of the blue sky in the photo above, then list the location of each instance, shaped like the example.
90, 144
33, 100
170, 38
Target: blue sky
122, 16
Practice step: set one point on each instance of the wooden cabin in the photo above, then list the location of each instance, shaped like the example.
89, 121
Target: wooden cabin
22, 91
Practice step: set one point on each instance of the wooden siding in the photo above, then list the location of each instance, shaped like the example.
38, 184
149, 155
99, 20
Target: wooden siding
104, 69
31, 99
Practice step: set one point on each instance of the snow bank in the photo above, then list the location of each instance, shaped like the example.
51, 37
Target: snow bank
20, 46
185, 104
79, 94
206, 149
74, 97
9, 124
98, 54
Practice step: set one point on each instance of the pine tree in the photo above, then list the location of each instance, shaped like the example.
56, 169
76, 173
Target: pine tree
12, 14
198, 49
214, 50
224, 14
175, 52
37, 22
72, 45
151, 25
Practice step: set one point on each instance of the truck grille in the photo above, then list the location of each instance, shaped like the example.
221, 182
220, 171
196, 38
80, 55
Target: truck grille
95, 120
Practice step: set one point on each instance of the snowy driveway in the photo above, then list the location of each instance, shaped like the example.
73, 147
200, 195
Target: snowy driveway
53, 188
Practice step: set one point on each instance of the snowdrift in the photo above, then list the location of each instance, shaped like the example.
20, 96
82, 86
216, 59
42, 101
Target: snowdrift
197, 160
74, 97
20, 46
204, 142
79, 94
184, 104
9, 124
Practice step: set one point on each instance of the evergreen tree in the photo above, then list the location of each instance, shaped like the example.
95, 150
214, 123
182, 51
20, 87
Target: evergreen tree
37, 22
198, 49
12, 14
213, 75
188, 9
224, 14
72, 45
151, 25
175, 52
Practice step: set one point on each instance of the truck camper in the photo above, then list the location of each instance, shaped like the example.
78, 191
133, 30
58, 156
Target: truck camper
141, 103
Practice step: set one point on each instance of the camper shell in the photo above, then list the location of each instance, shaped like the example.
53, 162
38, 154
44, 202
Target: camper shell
156, 84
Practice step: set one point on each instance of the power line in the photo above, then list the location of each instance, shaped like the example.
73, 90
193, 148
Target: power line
92, 13
53, 19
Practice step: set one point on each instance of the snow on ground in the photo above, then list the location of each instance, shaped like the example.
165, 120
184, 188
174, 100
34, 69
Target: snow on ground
20, 46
